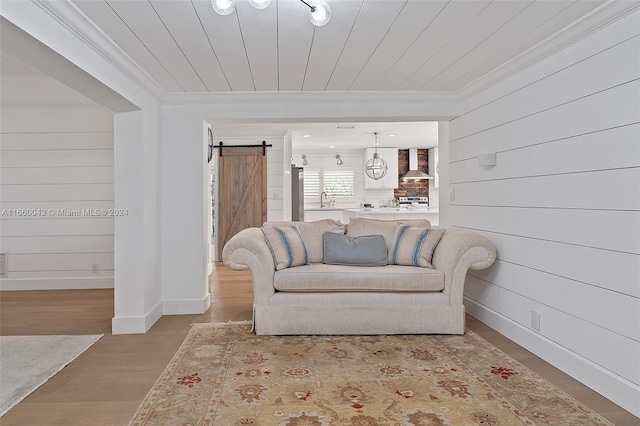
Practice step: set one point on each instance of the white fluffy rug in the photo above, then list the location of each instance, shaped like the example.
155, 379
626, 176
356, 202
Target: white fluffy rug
26, 362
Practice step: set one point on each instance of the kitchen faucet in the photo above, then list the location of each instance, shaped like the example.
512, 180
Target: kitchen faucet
323, 197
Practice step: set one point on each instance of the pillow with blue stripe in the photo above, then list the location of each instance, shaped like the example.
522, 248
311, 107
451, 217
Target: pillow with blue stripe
413, 246
287, 246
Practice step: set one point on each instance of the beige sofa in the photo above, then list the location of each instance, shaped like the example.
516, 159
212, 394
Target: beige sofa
318, 298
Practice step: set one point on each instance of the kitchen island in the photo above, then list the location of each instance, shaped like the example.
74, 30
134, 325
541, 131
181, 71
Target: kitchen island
382, 213
393, 213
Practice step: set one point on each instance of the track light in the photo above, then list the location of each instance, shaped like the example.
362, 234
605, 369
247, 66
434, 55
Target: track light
319, 11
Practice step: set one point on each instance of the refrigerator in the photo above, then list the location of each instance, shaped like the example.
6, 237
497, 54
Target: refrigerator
297, 193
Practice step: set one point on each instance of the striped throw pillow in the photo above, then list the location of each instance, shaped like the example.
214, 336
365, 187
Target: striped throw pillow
413, 246
287, 246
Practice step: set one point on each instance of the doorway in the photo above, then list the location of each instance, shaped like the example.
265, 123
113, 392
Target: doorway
242, 192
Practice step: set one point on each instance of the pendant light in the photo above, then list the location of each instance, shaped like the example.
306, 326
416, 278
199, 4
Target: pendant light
376, 168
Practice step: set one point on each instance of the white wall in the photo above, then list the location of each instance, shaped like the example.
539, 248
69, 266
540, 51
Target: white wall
56, 164
562, 206
124, 87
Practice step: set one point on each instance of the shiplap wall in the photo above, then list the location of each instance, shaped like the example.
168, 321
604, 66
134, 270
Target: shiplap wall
562, 205
54, 159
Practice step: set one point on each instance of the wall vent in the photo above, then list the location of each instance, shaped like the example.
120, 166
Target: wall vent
3, 264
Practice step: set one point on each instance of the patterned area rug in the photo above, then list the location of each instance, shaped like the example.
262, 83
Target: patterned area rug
224, 375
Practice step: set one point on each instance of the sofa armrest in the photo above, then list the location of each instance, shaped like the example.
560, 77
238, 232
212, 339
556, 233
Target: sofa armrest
458, 251
249, 249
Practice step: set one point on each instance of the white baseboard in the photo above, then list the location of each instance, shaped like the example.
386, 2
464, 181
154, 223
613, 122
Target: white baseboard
613, 387
185, 307
136, 325
142, 324
71, 283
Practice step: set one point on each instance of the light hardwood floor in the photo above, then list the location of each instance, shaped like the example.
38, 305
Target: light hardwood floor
105, 385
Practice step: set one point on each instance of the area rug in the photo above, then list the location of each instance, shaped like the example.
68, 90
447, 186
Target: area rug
26, 362
225, 375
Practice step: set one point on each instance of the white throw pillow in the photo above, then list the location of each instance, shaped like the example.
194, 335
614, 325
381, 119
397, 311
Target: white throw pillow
287, 246
414, 246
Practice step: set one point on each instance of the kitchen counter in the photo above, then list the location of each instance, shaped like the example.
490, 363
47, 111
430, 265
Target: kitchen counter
393, 213
313, 214
394, 210
383, 213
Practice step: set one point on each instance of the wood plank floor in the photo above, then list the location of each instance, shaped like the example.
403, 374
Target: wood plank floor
105, 385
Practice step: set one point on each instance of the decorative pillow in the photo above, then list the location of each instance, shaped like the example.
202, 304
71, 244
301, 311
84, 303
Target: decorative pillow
287, 246
414, 246
387, 228
312, 234
339, 249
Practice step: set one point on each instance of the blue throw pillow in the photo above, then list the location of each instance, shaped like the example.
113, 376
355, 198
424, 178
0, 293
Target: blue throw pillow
340, 249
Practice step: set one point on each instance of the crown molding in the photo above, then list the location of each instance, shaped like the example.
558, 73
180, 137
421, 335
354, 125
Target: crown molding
77, 23
223, 98
598, 18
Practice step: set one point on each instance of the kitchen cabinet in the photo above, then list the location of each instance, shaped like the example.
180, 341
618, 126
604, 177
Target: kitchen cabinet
390, 180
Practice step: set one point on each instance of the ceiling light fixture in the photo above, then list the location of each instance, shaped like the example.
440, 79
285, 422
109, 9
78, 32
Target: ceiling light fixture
223, 7
304, 160
319, 11
376, 167
260, 4
339, 162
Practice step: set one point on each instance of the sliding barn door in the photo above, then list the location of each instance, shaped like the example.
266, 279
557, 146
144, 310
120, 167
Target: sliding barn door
242, 192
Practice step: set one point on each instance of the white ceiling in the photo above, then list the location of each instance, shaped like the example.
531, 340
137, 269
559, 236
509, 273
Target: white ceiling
326, 135
368, 45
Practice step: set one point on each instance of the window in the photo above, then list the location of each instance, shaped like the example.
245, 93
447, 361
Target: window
336, 183
312, 184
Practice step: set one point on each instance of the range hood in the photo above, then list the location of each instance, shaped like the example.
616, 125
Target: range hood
413, 172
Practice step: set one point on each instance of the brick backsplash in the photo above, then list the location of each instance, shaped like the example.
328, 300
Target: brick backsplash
412, 188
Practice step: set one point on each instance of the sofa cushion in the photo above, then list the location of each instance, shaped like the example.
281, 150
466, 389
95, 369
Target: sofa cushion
287, 246
319, 277
368, 250
312, 234
358, 227
414, 246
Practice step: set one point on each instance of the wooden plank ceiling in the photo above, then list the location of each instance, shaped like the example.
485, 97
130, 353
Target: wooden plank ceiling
368, 45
